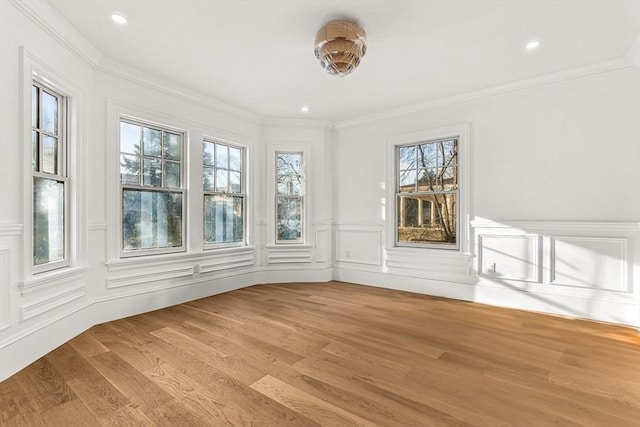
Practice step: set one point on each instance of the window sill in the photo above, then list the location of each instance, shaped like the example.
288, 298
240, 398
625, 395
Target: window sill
40, 280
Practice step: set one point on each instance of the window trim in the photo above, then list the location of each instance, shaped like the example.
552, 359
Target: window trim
301, 197
122, 253
398, 194
459, 131
243, 193
62, 174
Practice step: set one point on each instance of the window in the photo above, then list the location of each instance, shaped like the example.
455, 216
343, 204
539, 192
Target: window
289, 197
151, 177
223, 183
427, 194
50, 181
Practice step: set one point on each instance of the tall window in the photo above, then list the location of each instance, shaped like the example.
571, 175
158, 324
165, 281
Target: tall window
223, 183
427, 194
289, 197
50, 180
151, 177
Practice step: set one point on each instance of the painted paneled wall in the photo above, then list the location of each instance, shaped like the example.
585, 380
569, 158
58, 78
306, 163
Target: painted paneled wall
554, 203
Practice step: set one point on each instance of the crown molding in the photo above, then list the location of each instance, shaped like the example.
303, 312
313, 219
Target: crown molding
625, 63
297, 123
43, 14
122, 71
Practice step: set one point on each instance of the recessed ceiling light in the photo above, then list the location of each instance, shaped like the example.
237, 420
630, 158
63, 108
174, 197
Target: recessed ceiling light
533, 44
304, 109
118, 19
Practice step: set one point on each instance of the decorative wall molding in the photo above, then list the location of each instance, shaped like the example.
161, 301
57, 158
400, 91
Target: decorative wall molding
361, 245
97, 226
323, 243
222, 262
51, 302
504, 251
149, 277
7, 230
5, 254
557, 225
287, 254
603, 267
53, 279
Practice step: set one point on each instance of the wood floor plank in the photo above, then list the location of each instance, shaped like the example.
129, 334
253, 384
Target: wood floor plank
333, 354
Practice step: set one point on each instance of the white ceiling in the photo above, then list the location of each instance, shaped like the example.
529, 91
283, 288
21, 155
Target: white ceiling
258, 55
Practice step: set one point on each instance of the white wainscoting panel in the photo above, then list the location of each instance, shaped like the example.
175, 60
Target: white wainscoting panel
589, 262
51, 302
510, 257
149, 277
4, 287
359, 245
226, 261
323, 244
289, 254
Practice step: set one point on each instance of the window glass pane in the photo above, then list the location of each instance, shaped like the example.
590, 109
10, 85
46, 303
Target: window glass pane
223, 219
152, 140
447, 178
152, 174
222, 180
289, 185
222, 156
447, 152
208, 155
407, 181
234, 182
34, 150
48, 221
288, 163
172, 174
427, 218
49, 113
151, 220
34, 106
235, 159
130, 169
407, 157
428, 180
49, 154
289, 216
129, 138
172, 146
427, 155
208, 178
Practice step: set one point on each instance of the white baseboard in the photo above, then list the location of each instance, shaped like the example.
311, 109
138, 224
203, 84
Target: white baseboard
613, 311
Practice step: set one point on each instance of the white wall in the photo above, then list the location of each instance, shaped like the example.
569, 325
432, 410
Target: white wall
40, 312
555, 200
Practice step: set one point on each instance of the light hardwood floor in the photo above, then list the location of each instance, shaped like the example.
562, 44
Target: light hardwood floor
333, 354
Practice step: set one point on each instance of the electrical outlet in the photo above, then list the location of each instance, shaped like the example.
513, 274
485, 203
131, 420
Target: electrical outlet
491, 267
348, 254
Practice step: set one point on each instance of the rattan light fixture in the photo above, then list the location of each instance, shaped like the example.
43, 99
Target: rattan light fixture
340, 45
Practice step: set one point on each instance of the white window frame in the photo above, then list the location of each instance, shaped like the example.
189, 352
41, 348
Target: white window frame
183, 189
398, 194
301, 197
461, 133
61, 175
243, 194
